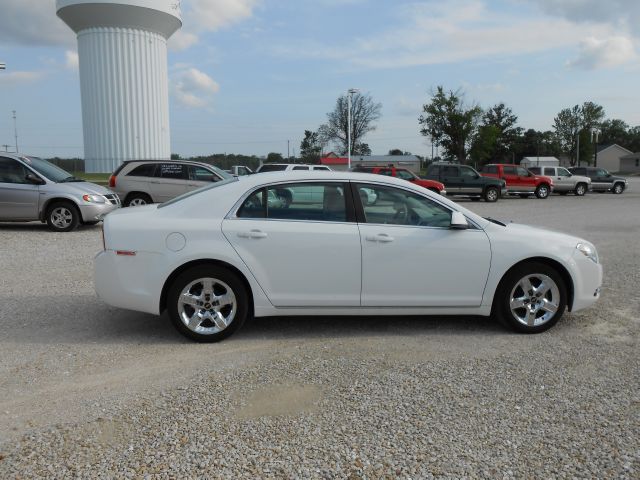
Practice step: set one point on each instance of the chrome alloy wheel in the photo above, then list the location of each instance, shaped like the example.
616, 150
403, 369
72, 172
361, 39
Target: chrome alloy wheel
543, 192
207, 306
492, 195
534, 300
137, 202
61, 217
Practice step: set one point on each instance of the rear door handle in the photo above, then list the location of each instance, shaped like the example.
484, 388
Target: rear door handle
252, 234
382, 238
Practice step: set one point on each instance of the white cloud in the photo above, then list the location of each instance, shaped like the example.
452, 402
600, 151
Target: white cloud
194, 88
32, 22
71, 60
19, 77
604, 53
208, 16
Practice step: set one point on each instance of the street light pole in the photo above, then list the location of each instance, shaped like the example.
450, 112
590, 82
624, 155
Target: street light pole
15, 129
595, 132
349, 95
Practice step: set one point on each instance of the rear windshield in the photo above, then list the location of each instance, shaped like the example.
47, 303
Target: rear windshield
272, 168
198, 191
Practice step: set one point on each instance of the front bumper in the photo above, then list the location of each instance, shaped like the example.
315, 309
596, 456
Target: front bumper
94, 212
587, 281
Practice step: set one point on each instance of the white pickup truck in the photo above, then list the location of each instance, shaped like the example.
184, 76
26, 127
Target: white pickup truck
563, 180
239, 170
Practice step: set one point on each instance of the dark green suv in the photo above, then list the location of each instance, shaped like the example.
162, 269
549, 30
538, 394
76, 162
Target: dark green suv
463, 180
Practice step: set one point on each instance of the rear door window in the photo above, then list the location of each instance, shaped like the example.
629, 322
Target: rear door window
549, 171
174, 171
450, 171
272, 168
535, 170
509, 170
300, 168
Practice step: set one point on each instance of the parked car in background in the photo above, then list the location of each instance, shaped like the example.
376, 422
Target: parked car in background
563, 180
214, 257
601, 180
139, 182
519, 180
404, 174
462, 180
288, 167
239, 170
34, 189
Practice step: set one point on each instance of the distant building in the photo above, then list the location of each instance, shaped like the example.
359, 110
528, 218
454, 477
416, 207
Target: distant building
628, 163
527, 162
610, 158
410, 162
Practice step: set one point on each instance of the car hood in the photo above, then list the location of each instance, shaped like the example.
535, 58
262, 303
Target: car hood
84, 188
530, 234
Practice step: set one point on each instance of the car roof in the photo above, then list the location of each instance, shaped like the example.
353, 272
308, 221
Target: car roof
184, 162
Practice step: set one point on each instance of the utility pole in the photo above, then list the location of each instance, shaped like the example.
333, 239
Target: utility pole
595, 132
6, 147
15, 129
288, 150
578, 149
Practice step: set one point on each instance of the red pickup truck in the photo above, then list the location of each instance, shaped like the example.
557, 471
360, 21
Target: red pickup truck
520, 181
404, 174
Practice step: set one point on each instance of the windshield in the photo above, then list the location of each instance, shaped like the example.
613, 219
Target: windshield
49, 170
221, 172
228, 179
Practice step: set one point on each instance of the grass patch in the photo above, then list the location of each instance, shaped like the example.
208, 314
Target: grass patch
100, 178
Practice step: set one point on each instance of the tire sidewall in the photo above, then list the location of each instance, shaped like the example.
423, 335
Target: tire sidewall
487, 194
618, 188
581, 189
136, 196
75, 216
502, 299
211, 271
540, 189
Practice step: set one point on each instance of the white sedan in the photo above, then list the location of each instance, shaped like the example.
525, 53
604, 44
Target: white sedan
218, 255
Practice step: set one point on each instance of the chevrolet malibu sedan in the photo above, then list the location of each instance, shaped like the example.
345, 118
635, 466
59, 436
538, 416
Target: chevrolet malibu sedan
216, 256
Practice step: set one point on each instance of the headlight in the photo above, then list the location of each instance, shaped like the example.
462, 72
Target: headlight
588, 251
94, 198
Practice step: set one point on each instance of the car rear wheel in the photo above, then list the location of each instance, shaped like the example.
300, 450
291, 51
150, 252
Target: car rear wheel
531, 298
62, 217
618, 188
207, 303
542, 191
581, 189
137, 200
491, 194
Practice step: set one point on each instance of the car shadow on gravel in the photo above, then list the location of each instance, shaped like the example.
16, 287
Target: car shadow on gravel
37, 227
274, 328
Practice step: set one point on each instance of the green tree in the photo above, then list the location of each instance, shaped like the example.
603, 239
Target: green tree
577, 122
364, 112
396, 151
615, 131
507, 132
450, 123
310, 147
362, 149
273, 157
484, 142
175, 156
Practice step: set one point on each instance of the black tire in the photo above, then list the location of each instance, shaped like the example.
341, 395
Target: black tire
491, 194
91, 223
618, 188
62, 216
222, 278
543, 191
137, 199
511, 283
581, 189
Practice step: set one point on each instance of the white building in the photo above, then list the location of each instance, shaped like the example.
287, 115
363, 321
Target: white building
122, 47
527, 162
610, 158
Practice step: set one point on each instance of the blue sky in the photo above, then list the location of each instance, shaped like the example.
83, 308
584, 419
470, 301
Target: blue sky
248, 75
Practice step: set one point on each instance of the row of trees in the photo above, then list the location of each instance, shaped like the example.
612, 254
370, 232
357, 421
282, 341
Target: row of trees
465, 132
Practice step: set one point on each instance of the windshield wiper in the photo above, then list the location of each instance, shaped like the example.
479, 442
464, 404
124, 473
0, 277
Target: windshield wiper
71, 179
497, 222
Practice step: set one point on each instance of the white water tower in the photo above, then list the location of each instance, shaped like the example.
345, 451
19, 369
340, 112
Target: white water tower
122, 48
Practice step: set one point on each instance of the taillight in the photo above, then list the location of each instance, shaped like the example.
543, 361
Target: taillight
112, 181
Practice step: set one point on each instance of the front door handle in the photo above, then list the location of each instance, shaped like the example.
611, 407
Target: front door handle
382, 238
252, 234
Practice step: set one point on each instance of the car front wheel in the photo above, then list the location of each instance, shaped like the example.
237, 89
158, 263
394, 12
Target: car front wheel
618, 188
62, 217
207, 303
531, 298
542, 191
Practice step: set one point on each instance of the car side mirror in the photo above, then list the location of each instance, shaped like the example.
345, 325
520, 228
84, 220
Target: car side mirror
458, 221
34, 179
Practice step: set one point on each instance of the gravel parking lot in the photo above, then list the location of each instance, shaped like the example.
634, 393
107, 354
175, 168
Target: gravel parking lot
92, 391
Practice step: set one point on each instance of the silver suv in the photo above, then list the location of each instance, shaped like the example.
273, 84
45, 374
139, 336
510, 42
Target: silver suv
33, 189
563, 180
139, 182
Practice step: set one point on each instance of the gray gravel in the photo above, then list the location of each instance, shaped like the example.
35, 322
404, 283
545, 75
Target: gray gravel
87, 390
